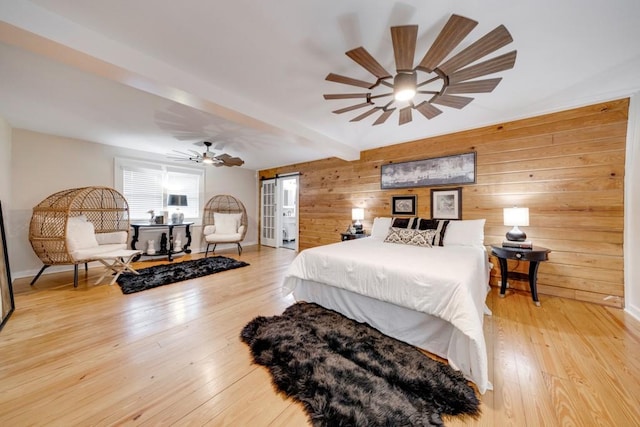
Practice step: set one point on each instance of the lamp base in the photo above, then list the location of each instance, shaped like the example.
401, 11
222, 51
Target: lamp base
358, 228
516, 235
177, 218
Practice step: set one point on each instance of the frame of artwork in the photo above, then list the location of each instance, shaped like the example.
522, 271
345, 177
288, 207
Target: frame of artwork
447, 170
7, 304
446, 203
403, 205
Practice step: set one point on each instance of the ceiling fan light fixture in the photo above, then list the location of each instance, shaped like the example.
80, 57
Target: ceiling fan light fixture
404, 86
208, 158
447, 61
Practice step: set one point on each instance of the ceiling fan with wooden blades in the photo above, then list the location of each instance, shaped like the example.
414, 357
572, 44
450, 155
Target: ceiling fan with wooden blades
207, 157
438, 79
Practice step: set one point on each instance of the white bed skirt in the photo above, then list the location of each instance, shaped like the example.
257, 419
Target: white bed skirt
422, 330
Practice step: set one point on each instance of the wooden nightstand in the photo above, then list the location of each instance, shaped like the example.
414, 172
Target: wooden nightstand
534, 256
349, 236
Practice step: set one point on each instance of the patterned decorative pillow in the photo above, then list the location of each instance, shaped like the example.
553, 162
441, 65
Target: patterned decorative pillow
406, 236
439, 225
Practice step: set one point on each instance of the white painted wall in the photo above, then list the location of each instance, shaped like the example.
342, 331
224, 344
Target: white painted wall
632, 212
43, 164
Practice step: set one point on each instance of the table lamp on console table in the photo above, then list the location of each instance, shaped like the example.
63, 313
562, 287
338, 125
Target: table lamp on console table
177, 200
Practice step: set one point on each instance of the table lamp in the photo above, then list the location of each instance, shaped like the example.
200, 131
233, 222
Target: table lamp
177, 200
516, 217
357, 214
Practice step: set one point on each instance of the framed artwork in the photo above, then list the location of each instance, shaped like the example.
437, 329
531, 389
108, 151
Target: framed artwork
7, 304
403, 205
446, 203
448, 170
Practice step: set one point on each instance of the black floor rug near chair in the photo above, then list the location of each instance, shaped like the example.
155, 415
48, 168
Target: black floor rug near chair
347, 373
166, 274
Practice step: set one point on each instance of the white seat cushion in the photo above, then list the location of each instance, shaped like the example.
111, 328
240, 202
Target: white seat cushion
223, 238
95, 252
84, 244
111, 237
226, 223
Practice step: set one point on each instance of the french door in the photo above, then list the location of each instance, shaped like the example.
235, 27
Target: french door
279, 212
269, 211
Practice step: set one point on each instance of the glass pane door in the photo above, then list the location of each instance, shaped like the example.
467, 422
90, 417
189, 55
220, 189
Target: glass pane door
269, 209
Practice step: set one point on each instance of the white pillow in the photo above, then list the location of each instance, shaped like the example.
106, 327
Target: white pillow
80, 234
226, 223
465, 233
112, 237
381, 227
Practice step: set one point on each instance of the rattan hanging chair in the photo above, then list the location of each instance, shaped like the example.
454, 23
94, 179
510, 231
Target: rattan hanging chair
224, 204
104, 207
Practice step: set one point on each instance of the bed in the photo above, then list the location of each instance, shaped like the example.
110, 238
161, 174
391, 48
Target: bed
430, 292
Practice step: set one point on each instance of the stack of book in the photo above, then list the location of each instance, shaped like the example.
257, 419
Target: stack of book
521, 245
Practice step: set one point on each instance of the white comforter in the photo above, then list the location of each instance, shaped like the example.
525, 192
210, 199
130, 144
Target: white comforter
447, 282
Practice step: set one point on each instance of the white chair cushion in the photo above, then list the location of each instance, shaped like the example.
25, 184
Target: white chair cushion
84, 244
80, 234
97, 251
223, 238
226, 223
111, 237
209, 229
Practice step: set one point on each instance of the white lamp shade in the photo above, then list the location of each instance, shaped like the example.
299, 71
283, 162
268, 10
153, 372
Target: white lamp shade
357, 214
516, 216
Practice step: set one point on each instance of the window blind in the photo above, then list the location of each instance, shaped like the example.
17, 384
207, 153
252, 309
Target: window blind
147, 186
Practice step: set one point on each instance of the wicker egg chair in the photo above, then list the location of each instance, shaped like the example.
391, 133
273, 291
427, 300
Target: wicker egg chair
223, 204
104, 207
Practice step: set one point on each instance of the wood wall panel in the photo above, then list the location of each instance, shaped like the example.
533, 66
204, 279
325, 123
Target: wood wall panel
567, 167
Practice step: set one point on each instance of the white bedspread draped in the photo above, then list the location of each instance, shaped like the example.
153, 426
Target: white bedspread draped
446, 282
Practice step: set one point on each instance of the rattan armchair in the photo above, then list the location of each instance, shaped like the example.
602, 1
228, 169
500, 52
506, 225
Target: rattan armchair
105, 208
223, 206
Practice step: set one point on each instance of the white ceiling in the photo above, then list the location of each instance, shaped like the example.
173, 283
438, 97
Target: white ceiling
158, 75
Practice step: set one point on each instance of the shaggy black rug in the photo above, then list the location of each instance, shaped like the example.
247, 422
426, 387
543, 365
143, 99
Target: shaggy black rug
165, 274
346, 373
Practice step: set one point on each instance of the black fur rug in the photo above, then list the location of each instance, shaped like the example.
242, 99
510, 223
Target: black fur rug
346, 373
165, 274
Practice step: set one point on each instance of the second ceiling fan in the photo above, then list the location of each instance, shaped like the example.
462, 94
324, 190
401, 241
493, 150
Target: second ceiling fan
207, 158
435, 79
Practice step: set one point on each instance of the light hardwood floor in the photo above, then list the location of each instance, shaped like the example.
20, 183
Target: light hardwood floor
172, 356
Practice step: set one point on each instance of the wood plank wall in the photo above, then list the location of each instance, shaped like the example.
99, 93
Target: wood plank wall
566, 167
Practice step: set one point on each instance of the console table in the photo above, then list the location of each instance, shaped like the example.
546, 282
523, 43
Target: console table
169, 227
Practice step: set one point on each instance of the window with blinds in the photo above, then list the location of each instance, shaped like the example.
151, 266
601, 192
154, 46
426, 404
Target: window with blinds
147, 186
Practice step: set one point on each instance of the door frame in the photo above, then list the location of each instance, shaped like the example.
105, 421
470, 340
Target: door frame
278, 223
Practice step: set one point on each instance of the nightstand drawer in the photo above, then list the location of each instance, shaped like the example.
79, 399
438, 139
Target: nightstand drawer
535, 254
